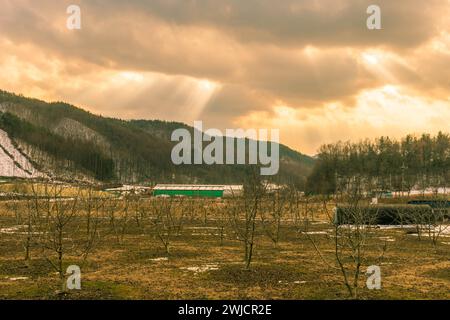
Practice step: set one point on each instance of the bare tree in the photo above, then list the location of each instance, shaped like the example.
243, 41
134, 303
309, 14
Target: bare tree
354, 235
272, 213
55, 240
433, 222
117, 210
355, 226
93, 205
166, 220
220, 221
16, 205
243, 214
59, 224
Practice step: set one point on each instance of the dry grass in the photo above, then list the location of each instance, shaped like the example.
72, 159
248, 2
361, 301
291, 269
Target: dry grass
200, 268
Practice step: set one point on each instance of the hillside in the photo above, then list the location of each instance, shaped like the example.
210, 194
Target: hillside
63, 141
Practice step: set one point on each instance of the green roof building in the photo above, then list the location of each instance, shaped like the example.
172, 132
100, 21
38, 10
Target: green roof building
191, 190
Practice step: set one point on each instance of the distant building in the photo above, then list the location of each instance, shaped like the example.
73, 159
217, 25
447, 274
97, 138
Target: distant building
128, 189
194, 190
273, 188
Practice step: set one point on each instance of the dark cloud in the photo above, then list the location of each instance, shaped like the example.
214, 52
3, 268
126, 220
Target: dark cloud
406, 23
150, 59
208, 38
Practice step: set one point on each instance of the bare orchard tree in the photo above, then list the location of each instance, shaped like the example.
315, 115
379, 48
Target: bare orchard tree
13, 205
243, 214
353, 236
355, 227
55, 225
124, 216
220, 220
272, 212
189, 208
166, 220
438, 224
307, 210
24, 215
31, 216
93, 205
352, 226
293, 203
137, 207
425, 219
111, 208
119, 216
60, 223
433, 222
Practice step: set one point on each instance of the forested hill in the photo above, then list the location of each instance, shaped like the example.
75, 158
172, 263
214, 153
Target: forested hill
414, 162
64, 141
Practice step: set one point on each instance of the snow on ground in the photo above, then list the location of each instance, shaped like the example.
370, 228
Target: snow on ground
295, 282
201, 269
316, 232
18, 278
12, 162
160, 259
387, 239
16, 230
439, 230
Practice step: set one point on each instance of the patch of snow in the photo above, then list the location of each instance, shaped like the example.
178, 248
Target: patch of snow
11, 230
441, 230
12, 162
61, 200
388, 227
295, 282
159, 259
206, 234
201, 228
70, 128
201, 269
16, 230
320, 222
18, 278
3, 107
387, 239
316, 232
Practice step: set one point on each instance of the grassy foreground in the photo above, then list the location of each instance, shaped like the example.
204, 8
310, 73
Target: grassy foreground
135, 265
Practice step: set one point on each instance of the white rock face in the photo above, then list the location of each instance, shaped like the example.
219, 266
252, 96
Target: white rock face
70, 128
12, 162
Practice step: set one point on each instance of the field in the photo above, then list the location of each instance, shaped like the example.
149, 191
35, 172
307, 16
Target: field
139, 247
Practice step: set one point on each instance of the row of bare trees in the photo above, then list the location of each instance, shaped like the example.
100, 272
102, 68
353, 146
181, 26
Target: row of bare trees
49, 224
59, 225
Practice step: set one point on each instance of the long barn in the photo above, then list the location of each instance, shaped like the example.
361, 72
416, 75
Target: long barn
195, 190
386, 214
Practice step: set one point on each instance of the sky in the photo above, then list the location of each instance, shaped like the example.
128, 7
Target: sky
310, 68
